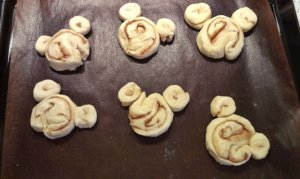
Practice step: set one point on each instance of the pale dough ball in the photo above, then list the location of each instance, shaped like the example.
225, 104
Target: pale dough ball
130, 10
80, 24
166, 29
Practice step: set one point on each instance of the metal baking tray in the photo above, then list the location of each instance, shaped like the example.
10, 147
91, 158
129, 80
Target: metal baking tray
260, 81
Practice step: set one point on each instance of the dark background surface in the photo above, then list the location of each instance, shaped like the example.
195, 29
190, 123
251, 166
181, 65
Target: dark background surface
259, 80
6, 21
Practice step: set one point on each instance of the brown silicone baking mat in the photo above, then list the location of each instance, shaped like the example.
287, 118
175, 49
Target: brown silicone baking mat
259, 81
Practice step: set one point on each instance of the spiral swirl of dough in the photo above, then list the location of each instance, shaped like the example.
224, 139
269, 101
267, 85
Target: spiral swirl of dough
150, 116
129, 93
66, 50
219, 37
176, 97
228, 140
54, 116
195, 15
45, 88
245, 18
222, 106
139, 37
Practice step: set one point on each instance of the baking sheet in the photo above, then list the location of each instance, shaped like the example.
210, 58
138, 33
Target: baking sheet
259, 81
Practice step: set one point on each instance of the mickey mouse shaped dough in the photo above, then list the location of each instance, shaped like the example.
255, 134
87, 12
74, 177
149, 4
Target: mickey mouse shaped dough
66, 49
139, 37
231, 139
57, 115
220, 36
152, 116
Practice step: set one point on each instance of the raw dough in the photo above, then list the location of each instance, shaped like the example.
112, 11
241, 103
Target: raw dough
195, 15
222, 106
245, 18
259, 145
166, 29
129, 93
80, 24
41, 44
176, 97
86, 116
150, 116
67, 49
44, 89
221, 36
228, 140
54, 116
130, 10
138, 37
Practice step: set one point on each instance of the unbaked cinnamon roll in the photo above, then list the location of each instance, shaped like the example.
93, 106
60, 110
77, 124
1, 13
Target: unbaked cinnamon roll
66, 50
219, 37
150, 116
54, 116
228, 140
139, 37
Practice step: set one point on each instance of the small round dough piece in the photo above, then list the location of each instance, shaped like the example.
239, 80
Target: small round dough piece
80, 24
129, 93
44, 89
86, 116
195, 15
245, 18
176, 98
259, 145
222, 106
41, 44
130, 10
166, 29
